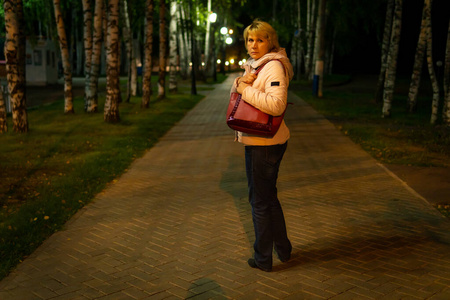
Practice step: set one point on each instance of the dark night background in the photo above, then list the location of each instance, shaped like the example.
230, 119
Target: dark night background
359, 50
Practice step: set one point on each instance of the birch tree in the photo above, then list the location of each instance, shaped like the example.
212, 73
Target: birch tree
162, 50
128, 41
16, 87
310, 29
68, 92
208, 40
320, 45
392, 60
111, 112
91, 92
419, 57
431, 71
385, 50
3, 123
446, 111
87, 40
173, 47
148, 49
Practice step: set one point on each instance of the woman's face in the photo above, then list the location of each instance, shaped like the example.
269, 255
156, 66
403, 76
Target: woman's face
257, 46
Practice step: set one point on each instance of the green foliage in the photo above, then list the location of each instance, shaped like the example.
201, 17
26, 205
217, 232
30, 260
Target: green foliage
65, 160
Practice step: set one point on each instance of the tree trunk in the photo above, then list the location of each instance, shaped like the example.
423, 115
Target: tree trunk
392, 60
22, 49
92, 89
147, 73
162, 50
311, 28
128, 40
446, 111
3, 124
173, 47
320, 45
111, 113
194, 66
87, 29
185, 51
385, 50
418, 61
13, 68
433, 79
208, 41
68, 93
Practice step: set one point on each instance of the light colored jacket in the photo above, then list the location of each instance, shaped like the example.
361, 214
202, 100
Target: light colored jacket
268, 93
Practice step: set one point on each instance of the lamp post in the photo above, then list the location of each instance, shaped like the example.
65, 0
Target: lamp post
228, 40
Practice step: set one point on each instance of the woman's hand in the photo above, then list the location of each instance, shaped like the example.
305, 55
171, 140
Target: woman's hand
247, 78
241, 87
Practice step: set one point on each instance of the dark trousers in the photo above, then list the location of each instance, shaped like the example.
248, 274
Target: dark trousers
262, 164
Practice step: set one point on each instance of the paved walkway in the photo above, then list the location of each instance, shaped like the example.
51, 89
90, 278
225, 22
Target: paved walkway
178, 225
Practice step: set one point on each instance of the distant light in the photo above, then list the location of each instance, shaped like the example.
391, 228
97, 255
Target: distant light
230, 31
241, 63
228, 41
244, 60
213, 17
223, 30
227, 63
190, 64
219, 61
232, 61
203, 64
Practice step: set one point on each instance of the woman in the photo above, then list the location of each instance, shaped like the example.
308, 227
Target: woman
268, 92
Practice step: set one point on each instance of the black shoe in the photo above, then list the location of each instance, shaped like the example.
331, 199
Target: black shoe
252, 263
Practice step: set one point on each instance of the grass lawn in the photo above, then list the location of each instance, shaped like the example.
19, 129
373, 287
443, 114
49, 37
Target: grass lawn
56, 168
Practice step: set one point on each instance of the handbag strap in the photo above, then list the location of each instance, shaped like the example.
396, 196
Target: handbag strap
259, 68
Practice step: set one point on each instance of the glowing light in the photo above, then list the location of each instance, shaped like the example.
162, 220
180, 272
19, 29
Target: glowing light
232, 61
213, 17
227, 63
223, 30
219, 61
228, 41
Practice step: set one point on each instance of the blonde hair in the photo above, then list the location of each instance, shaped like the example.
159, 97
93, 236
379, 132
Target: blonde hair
263, 29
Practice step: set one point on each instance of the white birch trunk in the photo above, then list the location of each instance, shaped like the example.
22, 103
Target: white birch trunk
128, 41
68, 93
446, 110
111, 112
385, 50
3, 123
87, 30
162, 50
418, 60
431, 71
392, 60
91, 91
148, 49
173, 47
15, 85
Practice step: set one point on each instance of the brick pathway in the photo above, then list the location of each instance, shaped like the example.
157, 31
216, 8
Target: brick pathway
177, 225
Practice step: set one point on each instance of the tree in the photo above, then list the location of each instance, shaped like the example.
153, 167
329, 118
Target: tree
111, 112
392, 60
148, 49
446, 111
162, 50
418, 60
87, 30
385, 50
320, 45
173, 47
91, 91
68, 93
128, 41
3, 124
433, 79
16, 86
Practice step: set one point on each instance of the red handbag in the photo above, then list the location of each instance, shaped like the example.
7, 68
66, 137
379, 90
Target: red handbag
246, 118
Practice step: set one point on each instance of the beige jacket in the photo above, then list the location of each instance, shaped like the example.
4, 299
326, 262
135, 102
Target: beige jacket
268, 93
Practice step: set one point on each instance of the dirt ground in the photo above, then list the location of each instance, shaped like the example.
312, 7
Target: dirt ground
432, 183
